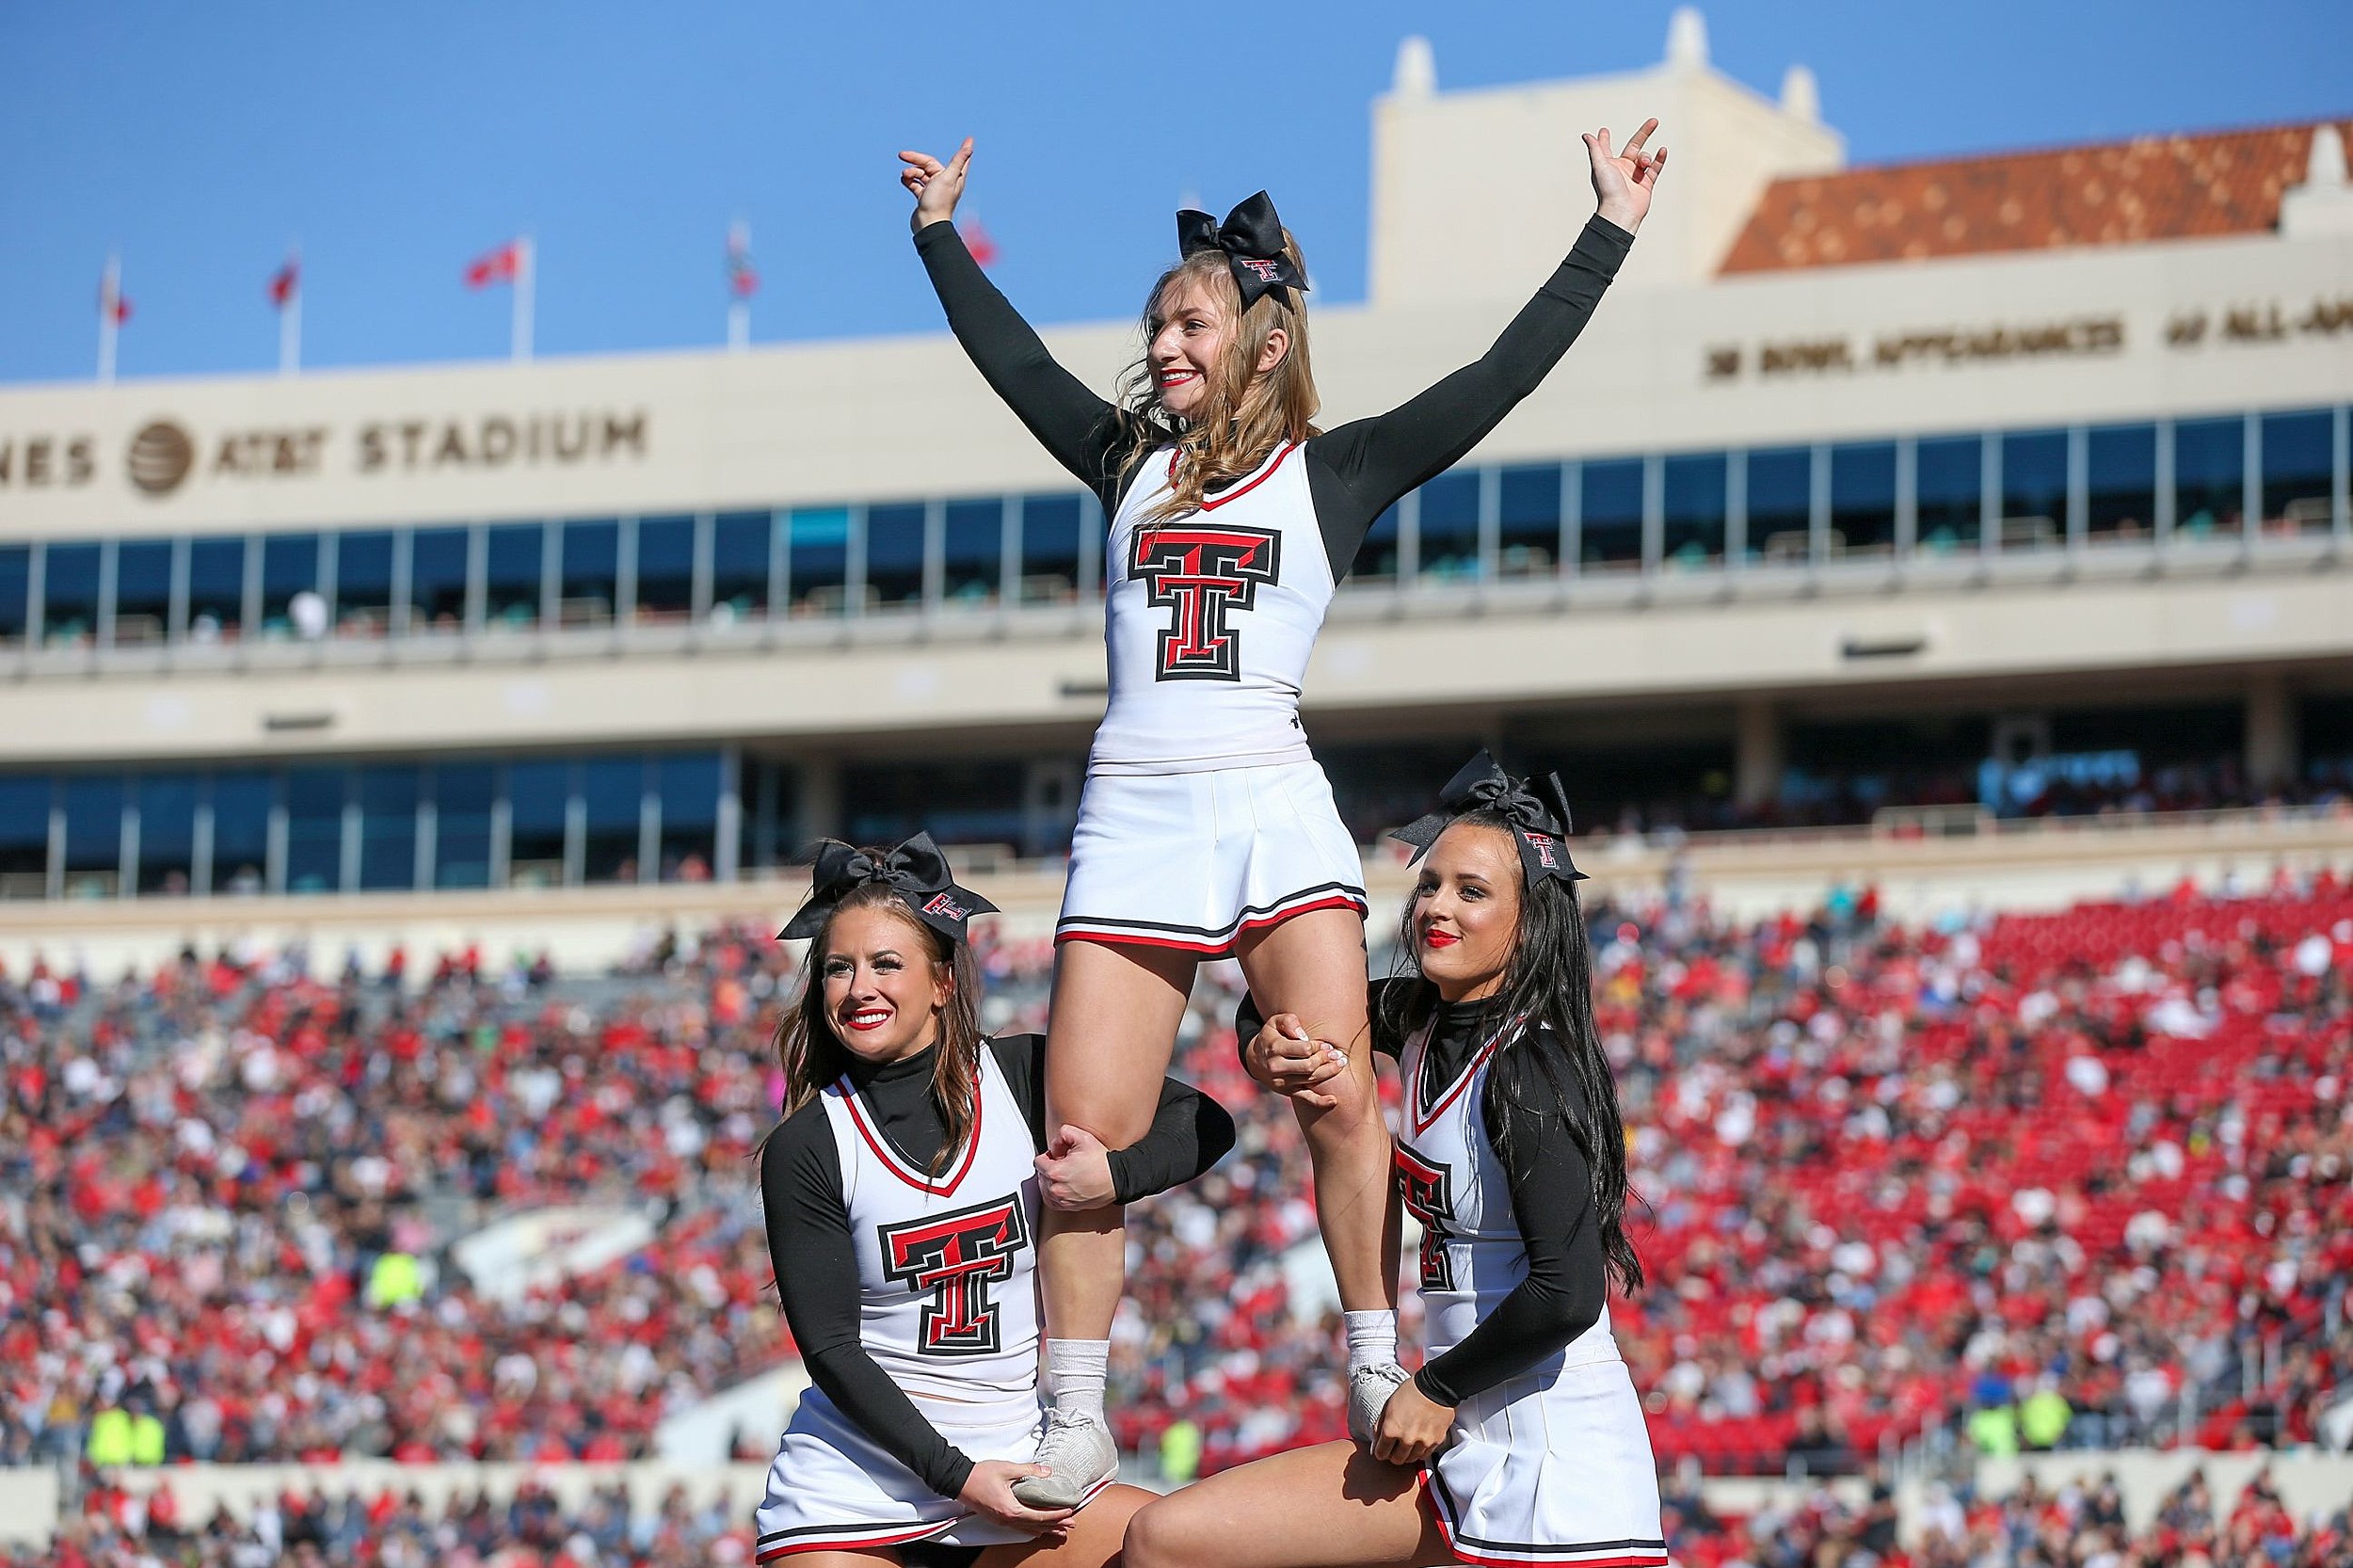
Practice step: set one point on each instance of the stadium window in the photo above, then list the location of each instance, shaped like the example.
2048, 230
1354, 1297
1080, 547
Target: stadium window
539, 798
1447, 527
143, 592
437, 580
588, 573
818, 562
2121, 466
290, 567
1376, 558
1862, 499
24, 836
972, 551
69, 594
1694, 487
16, 582
687, 786
93, 835
1781, 507
315, 829
1049, 549
515, 576
665, 568
740, 563
2209, 477
1950, 489
465, 799
363, 584
241, 812
1609, 532
388, 826
166, 856
2034, 489
976, 801
215, 590
1528, 541
612, 802
894, 556
2298, 472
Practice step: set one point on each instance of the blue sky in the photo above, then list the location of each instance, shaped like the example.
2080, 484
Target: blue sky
396, 142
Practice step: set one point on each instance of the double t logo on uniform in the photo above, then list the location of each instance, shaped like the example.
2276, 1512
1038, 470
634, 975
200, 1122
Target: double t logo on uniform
1201, 572
1426, 1188
955, 1256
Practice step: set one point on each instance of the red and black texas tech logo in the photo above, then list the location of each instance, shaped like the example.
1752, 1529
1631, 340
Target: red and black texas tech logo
956, 1256
1203, 572
1427, 1190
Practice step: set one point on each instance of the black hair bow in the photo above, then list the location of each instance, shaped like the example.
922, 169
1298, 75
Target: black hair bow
1540, 836
1252, 238
916, 870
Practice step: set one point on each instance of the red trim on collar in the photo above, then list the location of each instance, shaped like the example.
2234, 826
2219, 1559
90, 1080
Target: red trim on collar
923, 1181
1412, 1103
1211, 503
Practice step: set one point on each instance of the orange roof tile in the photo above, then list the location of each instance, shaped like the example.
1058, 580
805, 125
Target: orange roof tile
2110, 193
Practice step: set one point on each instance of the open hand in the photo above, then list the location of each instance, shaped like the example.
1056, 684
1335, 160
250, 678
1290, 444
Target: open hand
939, 187
1075, 1172
1413, 1426
988, 1491
1283, 1057
1623, 181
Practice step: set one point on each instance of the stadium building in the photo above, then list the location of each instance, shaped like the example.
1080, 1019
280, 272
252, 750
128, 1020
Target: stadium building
2009, 483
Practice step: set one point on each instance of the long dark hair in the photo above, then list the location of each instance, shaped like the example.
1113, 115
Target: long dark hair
1550, 983
812, 1056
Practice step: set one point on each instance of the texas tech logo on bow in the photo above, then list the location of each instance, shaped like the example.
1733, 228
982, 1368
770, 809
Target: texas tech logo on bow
955, 1256
1427, 1190
1265, 268
942, 904
1201, 572
1542, 844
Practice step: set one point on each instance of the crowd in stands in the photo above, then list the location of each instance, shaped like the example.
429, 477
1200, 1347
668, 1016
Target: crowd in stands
2045, 1180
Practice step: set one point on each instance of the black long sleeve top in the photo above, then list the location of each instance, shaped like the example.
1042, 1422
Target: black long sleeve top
1356, 471
816, 1264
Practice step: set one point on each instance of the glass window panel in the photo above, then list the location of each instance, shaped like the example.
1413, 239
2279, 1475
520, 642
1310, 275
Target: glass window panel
2121, 466
590, 567
1376, 558
1862, 499
1609, 534
464, 798
167, 833
437, 580
16, 581
290, 567
688, 784
1950, 489
24, 836
143, 591
241, 806
1781, 505
1528, 541
974, 801
93, 835
973, 551
2298, 472
215, 590
1696, 500
2209, 477
665, 568
613, 790
388, 826
739, 564
539, 799
2034, 489
513, 575
363, 584
69, 614
1450, 525
894, 555
1049, 549
819, 540
315, 829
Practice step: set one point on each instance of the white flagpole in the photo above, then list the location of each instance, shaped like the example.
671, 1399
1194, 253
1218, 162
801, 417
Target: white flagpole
526, 265
290, 319
109, 302
739, 308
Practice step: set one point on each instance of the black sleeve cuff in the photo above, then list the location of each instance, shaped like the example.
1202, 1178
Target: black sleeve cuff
953, 1475
1434, 1389
1603, 245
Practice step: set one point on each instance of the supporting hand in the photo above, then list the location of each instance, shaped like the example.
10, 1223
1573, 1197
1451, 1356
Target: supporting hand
1623, 181
1413, 1426
937, 186
1075, 1172
1283, 1057
989, 1491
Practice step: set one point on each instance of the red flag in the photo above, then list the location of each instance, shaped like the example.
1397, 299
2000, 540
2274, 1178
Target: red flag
113, 304
496, 267
283, 282
976, 240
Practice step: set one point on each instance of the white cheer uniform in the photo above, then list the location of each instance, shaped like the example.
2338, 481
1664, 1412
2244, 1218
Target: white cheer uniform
1553, 1465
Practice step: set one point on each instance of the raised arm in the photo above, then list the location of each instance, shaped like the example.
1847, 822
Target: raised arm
1081, 431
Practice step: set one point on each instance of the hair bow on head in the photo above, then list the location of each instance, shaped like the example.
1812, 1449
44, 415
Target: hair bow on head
1540, 836
1252, 238
916, 870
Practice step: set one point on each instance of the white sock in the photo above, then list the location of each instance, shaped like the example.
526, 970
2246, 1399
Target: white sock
1074, 1370
1371, 1338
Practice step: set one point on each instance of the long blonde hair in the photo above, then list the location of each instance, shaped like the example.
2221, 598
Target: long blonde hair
1245, 415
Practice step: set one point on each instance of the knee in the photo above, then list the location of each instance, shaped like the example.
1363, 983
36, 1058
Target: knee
1156, 1536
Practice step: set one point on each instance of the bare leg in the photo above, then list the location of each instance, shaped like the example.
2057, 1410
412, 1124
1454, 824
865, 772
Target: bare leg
1313, 965
1091, 1540
1333, 1506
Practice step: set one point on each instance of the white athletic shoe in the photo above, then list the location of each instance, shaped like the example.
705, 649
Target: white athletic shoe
1369, 1391
1079, 1452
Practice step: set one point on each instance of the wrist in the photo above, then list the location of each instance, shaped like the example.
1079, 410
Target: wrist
1623, 218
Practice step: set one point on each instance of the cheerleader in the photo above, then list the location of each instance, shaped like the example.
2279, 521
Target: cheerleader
1206, 828
1520, 1440
902, 1193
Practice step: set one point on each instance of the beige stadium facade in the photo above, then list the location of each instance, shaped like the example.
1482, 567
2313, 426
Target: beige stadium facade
618, 619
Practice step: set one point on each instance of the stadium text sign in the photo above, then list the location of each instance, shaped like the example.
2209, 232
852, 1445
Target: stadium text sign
1845, 354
